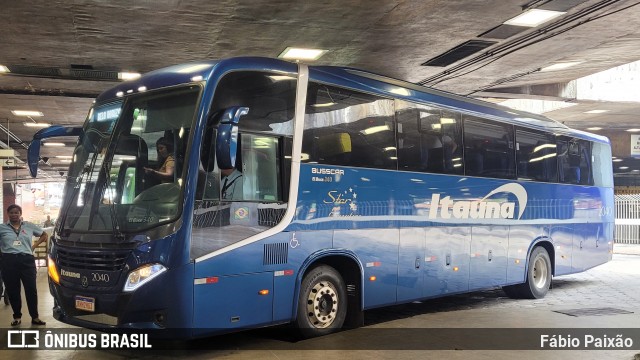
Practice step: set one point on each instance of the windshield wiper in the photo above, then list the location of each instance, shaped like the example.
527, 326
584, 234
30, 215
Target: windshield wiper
88, 169
112, 209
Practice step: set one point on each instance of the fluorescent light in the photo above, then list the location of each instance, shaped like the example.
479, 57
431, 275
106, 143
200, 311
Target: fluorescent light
533, 17
623, 167
39, 125
390, 148
544, 146
560, 66
26, 113
64, 156
375, 129
301, 54
400, 91
595, 128
595, 111
4, 69
58, 144
66, 161
447, 121
281, 77
128, 75
324, 104
542, 157
193, 68
617, 160
633, 130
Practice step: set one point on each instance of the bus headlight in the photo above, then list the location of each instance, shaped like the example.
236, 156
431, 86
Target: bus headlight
142, 275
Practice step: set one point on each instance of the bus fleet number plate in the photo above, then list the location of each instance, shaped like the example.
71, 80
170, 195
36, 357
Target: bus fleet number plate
85, 303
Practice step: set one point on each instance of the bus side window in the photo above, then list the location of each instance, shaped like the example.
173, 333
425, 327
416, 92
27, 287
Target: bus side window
349, 128
429, 139
489, 148
574, 161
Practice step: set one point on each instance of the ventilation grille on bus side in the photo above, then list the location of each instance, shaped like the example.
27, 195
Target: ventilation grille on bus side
275, 253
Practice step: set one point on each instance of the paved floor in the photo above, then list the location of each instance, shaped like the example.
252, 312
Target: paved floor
421, 330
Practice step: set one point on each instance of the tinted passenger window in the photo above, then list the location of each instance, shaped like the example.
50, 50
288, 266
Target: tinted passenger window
602, 165
574, 161
488, 148
536, 156
344, 127
429, 139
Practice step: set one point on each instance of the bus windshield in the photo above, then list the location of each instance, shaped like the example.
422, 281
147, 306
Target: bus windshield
126, 172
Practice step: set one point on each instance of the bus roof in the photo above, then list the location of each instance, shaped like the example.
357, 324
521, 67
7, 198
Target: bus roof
348, 77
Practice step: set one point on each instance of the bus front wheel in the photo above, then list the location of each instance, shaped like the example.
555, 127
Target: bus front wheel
538, 277
322, 303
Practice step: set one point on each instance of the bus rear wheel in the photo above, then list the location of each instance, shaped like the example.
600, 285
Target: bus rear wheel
322, 303
538, 277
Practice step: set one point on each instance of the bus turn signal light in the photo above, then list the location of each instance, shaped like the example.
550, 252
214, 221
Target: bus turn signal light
263, 292
372, 278
52, 271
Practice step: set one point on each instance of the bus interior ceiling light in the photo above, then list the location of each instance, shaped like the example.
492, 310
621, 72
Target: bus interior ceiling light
291, 53
26, 113
58, 144
533, 17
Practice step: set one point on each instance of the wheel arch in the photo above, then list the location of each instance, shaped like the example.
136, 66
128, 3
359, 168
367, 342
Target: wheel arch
546, 243
351, 270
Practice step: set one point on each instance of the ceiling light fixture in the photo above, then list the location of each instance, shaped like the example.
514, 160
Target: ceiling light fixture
533, 17
26, 113
58, 144
38, 125
596, 111
124, 75
4, 69
560, 66
292, 53
633, 130
595, 128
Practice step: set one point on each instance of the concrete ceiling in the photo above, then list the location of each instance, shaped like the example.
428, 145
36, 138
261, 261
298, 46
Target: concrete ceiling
63, 53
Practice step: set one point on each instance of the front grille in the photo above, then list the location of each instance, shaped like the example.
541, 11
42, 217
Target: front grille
97, 261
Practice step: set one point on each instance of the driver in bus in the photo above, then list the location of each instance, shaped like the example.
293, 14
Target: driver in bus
165, 157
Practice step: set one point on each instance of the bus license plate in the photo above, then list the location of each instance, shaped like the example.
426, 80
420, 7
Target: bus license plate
85, 303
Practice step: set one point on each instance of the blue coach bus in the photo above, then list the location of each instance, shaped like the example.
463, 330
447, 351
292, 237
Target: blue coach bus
351, 191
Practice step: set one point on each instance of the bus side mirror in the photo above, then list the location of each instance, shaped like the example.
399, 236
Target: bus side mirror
33, 153
227, 136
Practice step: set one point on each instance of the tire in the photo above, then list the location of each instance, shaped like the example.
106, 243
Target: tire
538, 277
322, 302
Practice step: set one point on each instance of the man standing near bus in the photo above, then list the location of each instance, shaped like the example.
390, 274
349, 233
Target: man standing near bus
18, 263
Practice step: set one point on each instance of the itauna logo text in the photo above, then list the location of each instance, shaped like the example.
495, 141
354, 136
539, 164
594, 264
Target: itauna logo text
480, 209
